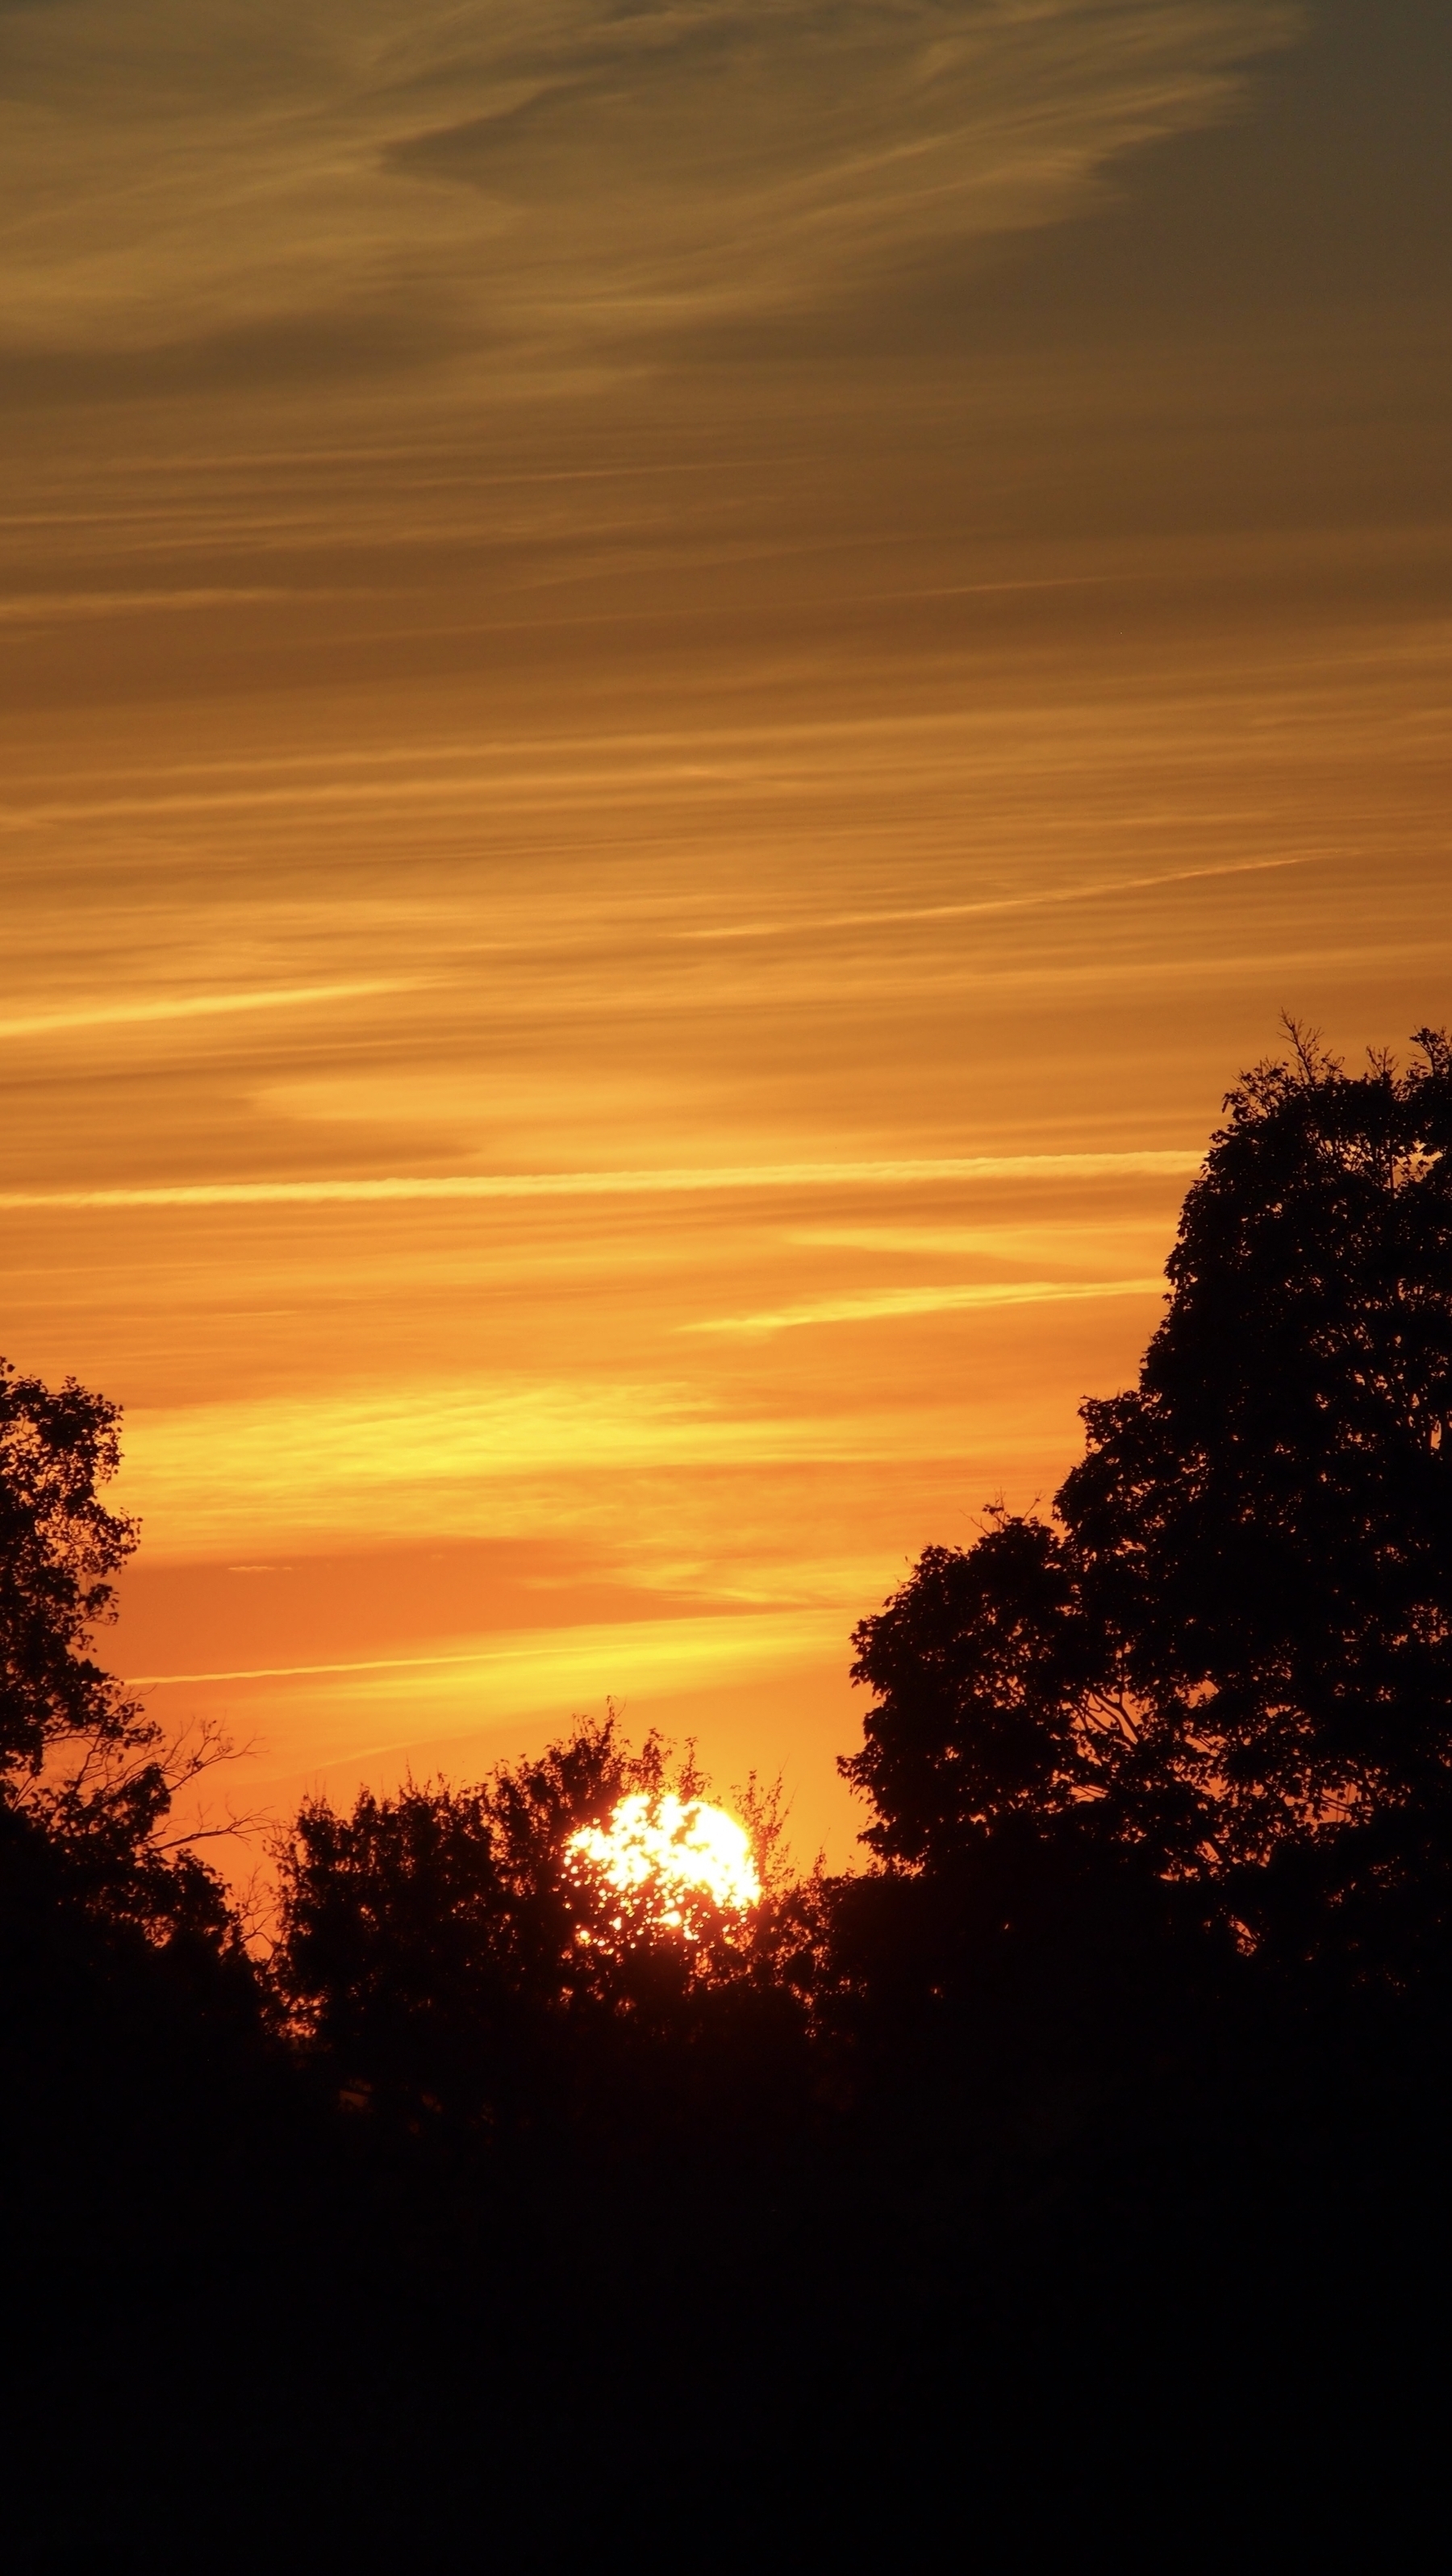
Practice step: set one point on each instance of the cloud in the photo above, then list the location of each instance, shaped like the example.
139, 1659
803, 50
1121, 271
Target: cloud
188, 1006
876, 1304
69, 607
541, 1666
637, 1184
472, 1455
226, 194
1049, 899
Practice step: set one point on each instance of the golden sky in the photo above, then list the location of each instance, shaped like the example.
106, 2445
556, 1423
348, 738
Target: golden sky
680, 686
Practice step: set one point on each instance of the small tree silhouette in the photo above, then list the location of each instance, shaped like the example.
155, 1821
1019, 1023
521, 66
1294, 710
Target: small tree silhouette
448, 1948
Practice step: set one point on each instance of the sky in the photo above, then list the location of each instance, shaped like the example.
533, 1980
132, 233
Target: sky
678, 687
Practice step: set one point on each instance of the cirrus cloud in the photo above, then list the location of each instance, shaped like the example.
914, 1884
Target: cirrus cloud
547, 183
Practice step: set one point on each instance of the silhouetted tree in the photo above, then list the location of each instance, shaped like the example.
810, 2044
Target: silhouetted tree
983, 1667
438, 1947
58, 1547
1234, 1653
426, 1938
81, 1765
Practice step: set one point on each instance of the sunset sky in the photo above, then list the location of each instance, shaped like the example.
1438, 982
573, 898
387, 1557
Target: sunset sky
680, 685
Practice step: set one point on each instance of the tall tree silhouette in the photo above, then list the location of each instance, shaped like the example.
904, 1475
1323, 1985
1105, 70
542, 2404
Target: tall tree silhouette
58, 1548
1235, 1649
86, 1778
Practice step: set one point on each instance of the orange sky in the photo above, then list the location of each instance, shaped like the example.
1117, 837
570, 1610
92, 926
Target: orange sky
744, 651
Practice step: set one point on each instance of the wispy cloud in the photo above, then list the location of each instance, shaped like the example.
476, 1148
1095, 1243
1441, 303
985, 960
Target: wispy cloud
68, 607
466, 1456
186, 1006
561, 1185
1055, 1238
365, 179
1050, 899
872, 1305
588, 1658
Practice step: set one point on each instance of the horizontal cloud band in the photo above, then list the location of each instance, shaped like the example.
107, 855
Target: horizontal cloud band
569, 1185
551, 1661
192, 1006
869, 1304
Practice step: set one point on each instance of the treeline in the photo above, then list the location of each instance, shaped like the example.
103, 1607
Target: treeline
1073, 2173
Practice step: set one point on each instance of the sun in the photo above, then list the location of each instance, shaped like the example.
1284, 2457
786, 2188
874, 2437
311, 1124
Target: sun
674, 1863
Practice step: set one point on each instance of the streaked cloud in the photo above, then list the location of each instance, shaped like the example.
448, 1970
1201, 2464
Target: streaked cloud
1053, 1239
874, 1305
345, 1458
420, 1455
572, 1185
1049, 899
361, 182
185, 1006
64, 607
537, 1667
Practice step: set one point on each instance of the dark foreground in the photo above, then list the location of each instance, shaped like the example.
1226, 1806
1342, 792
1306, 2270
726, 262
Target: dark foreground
1162, 2274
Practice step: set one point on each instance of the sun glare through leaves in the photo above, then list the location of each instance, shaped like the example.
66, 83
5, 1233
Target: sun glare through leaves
676, 1865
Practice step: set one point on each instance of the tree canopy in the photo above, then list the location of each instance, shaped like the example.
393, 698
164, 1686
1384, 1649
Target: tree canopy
439, 1945
82, 1766
1232, 1647
58, 1548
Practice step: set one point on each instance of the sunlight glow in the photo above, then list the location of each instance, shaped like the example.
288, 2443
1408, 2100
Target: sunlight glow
670, 1860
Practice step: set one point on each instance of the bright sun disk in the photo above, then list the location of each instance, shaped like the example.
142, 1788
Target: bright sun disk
666, 1852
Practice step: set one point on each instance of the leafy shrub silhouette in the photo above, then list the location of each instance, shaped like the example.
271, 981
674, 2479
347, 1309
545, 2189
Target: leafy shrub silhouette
441, 1951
